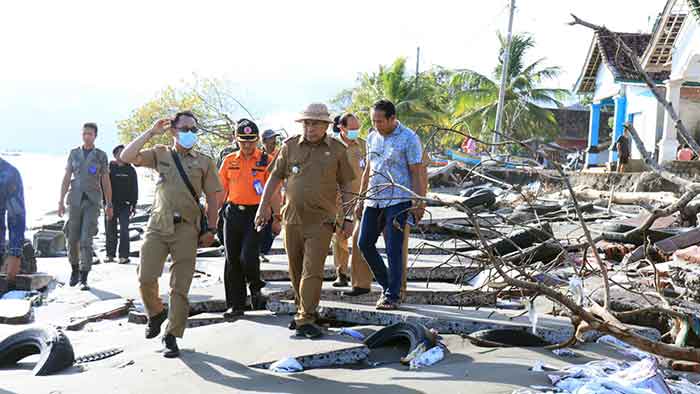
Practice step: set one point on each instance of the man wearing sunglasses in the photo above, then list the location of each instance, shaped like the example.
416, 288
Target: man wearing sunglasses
175, 225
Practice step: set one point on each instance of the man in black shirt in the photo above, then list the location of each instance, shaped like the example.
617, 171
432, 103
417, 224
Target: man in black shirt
125, 194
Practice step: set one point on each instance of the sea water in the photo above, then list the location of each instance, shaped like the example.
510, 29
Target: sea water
42, 175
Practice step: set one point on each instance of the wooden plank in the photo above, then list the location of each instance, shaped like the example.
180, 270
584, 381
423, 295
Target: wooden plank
97, 311
669, 245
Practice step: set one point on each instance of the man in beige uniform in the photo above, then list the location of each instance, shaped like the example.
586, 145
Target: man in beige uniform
174, 226
349, 133
313, 165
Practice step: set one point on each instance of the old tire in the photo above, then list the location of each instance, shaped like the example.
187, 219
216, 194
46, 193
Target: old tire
507, 337
53, 346
414, 333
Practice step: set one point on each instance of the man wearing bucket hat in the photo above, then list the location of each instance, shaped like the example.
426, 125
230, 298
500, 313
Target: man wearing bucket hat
313, 165
243, 175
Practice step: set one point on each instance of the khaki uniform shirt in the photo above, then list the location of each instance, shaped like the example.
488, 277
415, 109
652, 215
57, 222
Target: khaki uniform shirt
172, 196
86, 175
357, 154
313, 173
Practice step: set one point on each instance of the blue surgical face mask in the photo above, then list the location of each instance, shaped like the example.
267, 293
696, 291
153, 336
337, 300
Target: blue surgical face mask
353, 134
186, 139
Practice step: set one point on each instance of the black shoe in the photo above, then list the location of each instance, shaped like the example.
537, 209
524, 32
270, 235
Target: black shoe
171, 349
154, 323
342, 281
74, 276
292, 325
233, 313
83, 280
258, 302
109, 259
355, 292
310, 331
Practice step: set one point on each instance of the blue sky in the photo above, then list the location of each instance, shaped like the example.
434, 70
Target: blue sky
66, 63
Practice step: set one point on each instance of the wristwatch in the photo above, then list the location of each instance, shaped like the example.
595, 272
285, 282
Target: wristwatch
108, 205
212, 230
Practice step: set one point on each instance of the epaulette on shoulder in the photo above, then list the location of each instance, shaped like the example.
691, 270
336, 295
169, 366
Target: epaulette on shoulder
293, 138
339, 142
160, 147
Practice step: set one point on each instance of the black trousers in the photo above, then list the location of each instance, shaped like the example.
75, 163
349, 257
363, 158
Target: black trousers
121, 215
242, 244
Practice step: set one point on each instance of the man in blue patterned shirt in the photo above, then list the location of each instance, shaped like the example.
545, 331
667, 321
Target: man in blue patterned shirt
393, 176
12, 206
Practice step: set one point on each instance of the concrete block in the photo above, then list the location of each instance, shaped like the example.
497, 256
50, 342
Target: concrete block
27, 281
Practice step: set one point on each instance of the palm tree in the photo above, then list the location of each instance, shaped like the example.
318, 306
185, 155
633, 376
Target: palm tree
412, 97
524, 115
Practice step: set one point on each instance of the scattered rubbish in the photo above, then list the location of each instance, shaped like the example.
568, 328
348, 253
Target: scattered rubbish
420, 349
50, 243
428, 358
352, 333
576, 289
14, 311
614, 377
18, 295
532, 315
287, 365
540, 366
54, 349
97, 356
565, 352
690, 255
108, 309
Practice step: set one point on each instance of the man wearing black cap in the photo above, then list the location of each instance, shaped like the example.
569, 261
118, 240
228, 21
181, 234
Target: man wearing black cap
243, 175
125, 194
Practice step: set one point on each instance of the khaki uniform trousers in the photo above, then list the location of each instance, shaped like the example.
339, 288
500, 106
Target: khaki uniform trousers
307, 249
182, 246
361, 276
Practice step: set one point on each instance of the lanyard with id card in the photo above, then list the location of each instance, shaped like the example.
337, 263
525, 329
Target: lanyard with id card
258, 186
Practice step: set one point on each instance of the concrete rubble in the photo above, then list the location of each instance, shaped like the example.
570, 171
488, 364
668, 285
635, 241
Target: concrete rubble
451, 289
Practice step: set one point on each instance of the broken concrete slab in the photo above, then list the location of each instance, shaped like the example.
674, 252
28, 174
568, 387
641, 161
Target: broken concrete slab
447, 320
437, 294
27, 282
668, 245
259, 339
203, 319
16, 312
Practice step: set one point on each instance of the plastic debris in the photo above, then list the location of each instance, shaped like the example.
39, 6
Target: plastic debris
428, 358
576, 288
17, 295
287, 365
566, 352
532, 315
352, 333
540, 366
415, 353
610, 377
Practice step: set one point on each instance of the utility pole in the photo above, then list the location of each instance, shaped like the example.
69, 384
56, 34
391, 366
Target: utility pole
417, 64
504, 79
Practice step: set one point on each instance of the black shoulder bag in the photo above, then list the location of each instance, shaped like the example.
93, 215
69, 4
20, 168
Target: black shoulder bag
204, 222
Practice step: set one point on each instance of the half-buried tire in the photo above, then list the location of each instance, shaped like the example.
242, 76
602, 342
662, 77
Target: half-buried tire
506, 337
53, 346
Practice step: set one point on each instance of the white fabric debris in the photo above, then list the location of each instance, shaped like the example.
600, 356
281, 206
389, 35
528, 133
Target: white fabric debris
287, 365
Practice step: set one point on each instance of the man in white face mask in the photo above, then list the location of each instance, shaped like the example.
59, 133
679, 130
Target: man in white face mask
348, 127
175, 226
